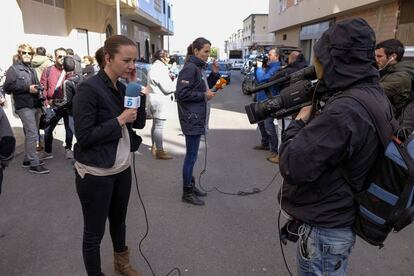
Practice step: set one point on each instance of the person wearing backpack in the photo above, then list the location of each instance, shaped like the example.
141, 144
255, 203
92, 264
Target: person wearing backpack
397, 79
69, 88
316, 149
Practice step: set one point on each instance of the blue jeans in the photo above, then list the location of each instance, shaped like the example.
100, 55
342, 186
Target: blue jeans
157, 132
272, 132
323, 251
192, 143
263, 133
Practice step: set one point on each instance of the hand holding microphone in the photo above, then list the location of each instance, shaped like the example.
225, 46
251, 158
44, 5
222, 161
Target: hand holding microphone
220, 84
131, 104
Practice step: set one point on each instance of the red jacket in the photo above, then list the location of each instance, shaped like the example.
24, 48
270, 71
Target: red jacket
49, 79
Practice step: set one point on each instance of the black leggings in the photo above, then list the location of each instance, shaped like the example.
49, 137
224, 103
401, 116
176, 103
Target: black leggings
103, 197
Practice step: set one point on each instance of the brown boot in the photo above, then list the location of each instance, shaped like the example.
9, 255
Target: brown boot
161, 154
153, 149
122, 266
274, 158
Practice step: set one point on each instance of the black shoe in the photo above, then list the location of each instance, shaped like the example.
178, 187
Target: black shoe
190, 197
26, 163
39, 169
197, 191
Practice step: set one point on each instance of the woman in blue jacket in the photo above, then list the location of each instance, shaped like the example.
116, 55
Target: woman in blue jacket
193, 92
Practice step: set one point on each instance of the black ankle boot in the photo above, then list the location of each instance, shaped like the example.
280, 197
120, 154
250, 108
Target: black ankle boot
196, 190
190, 197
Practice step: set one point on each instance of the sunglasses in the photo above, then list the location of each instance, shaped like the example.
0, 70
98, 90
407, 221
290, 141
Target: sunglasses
61, 56
26, 53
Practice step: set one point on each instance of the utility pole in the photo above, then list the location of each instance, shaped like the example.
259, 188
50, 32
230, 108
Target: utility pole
118, 18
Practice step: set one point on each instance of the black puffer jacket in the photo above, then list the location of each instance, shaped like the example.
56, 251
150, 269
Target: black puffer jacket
311, 156
190, 96
19, 77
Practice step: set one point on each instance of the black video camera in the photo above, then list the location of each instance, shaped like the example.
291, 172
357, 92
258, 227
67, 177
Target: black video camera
40, 94
263, 58
299, 91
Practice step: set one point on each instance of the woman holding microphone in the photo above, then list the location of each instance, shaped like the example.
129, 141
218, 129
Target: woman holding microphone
105, 144
193, 92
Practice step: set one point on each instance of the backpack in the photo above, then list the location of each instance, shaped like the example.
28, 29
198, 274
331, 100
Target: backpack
61, 97
386, 203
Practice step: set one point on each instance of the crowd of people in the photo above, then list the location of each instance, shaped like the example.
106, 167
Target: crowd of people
311, 150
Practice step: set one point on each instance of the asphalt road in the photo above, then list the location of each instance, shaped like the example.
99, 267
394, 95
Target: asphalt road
41, 221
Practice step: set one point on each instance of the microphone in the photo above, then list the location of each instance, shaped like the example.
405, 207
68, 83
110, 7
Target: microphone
132, 98
220, 84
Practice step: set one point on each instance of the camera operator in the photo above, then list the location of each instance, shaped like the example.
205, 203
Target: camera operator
315, 152
22, 83
263, 75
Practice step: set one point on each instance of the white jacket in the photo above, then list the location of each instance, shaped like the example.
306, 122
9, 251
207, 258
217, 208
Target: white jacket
162, 87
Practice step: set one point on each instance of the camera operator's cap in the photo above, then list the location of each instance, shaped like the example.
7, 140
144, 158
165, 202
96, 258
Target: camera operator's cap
347, 50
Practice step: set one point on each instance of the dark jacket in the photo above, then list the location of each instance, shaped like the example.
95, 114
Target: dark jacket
295, 66
190, 96
7, 143
88, 71
396, 81
64, 98
342, 137
19, 77
96, 106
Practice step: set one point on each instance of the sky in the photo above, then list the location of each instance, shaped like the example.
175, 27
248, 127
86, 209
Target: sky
215, 20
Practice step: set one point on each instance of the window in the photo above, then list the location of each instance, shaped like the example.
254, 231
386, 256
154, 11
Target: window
54, 3
60, 4
163, 6
284, 36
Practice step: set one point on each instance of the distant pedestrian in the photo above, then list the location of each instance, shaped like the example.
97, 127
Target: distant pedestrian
89, 69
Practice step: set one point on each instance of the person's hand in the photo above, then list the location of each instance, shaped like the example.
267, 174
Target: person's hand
33, 89
127, 116
259, 64
210, 94
215, 66
2, 100
132, 76
304, 114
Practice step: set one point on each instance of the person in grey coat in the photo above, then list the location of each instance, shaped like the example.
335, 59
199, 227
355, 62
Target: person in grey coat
160, 99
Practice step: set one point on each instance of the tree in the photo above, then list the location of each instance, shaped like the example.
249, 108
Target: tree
213, 52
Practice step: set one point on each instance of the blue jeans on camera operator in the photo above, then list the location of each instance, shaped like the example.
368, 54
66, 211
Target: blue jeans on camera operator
324, 251
272, 132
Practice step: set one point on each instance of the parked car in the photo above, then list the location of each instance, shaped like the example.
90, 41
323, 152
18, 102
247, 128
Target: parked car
142, 72
238, 65
224, 70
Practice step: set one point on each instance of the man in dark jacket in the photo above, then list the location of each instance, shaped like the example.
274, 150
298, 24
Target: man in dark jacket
22, 83
396, 79
314, 152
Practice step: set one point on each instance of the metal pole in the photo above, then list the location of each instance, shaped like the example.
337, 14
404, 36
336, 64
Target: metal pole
118, 18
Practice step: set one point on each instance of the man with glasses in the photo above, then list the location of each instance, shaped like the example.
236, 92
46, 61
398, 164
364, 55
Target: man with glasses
22, 83
52, 80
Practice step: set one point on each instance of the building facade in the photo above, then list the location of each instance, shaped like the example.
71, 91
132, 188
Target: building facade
301, 23
254, 37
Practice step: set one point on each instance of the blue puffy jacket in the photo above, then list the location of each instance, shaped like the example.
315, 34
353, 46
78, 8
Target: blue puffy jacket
190, 96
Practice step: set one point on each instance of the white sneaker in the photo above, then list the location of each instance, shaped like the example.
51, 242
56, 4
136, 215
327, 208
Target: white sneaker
69, 154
